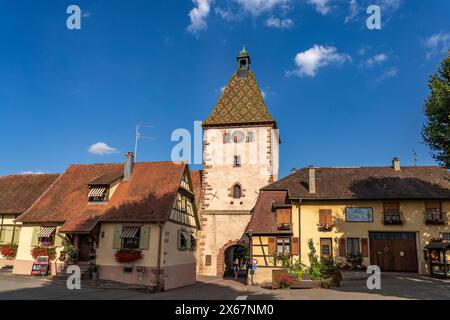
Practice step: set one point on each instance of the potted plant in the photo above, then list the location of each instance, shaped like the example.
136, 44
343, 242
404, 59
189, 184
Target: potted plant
93, 269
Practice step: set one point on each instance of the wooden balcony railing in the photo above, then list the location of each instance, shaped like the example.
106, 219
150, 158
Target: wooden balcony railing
435, 218
393, 218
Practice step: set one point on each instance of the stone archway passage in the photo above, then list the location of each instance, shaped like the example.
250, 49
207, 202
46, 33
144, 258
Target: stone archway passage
221, 254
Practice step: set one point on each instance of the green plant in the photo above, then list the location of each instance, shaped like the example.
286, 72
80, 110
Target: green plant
93, 268
70, 249
437, 128
293, 267
316, 268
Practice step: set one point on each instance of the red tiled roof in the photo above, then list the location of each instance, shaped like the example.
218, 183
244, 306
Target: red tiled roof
19, 192
264, 218
196, 176
147, 197
368, 183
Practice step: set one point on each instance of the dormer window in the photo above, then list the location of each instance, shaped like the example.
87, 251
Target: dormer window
98, 193
102, 187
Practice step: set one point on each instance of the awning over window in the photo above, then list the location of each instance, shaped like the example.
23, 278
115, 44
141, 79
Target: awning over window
130, 232
46, 232
97, 192
185, 234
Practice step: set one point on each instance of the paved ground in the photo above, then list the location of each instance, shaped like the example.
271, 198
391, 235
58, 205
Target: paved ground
394, 286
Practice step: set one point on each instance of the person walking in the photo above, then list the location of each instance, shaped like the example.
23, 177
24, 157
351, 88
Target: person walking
236, 268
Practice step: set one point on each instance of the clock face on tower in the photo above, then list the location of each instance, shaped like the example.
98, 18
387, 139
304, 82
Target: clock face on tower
237, 136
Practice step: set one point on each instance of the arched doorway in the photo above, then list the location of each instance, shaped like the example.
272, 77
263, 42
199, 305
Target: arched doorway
237, 249
232, 253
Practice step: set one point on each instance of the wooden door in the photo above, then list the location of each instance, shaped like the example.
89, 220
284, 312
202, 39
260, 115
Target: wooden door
394, 251
85, 247
326, 249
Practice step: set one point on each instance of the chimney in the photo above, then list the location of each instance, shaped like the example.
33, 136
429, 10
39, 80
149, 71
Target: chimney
128, 166
396, 163
312, 180
293, 170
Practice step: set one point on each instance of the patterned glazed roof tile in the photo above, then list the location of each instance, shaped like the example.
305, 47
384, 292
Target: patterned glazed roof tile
240, 102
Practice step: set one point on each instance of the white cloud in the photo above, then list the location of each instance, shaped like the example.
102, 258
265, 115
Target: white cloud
101, 148
353, 10
376, 60
390, 5
278, 23
33, 172
227, 14
310, 61
264, 95
322, 6
388, 73
198, 16
256, 7
437, 44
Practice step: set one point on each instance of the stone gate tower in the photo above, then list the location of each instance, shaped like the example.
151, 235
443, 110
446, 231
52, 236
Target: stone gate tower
240, 156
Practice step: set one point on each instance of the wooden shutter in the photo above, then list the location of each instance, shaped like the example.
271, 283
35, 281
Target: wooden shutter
208, 260
144, 239
392, 207
117, 240
58, 239
364, 247
272, 245
342, 248
325, 216
34, 237
295, 246
284, 216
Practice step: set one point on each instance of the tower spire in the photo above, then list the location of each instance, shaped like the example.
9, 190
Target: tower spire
243, 60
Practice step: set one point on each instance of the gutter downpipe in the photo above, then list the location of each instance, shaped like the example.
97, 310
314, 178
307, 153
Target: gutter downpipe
158, 268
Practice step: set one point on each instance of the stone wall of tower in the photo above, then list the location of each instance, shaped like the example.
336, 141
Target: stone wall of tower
223, 218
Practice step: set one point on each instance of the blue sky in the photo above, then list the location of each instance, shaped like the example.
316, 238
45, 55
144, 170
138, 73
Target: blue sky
342, 94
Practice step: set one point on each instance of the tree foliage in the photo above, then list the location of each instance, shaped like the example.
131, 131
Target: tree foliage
436, 131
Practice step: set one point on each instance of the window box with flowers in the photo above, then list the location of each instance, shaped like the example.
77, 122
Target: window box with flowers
128, 255
8, 251
325, 227
284, 226
40, 251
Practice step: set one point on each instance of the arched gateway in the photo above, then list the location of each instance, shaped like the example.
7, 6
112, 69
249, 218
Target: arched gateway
240, 156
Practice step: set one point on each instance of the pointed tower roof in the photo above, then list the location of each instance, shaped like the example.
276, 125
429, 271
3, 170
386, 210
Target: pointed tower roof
241, 101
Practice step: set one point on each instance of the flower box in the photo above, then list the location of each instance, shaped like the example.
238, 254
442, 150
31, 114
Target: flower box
49, 252
325, 227
9, 251
127, 255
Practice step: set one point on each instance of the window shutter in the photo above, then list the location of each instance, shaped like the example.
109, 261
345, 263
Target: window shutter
391, 207
325, 216
117, 241
284, 216
2, 234
364, 247
295, 246
145, 238
179, 240
34, 237
272, 245
342, 249
58, 239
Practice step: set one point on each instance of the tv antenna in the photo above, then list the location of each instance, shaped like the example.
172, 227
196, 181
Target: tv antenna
139, 136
